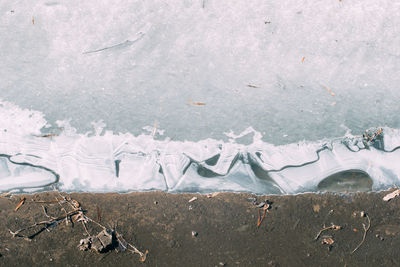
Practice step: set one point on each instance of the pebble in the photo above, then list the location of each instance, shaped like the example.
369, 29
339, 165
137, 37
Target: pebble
194, 233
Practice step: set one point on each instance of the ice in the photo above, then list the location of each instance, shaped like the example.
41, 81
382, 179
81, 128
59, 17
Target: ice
104, 96
101, 161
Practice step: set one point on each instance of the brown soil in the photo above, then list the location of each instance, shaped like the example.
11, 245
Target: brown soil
226, 225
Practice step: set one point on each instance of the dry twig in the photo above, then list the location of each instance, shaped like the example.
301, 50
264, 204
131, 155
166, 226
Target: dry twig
366, 228
21, 202
6, 194
392, 195
333, 227
46, 224
265, 208
74, 215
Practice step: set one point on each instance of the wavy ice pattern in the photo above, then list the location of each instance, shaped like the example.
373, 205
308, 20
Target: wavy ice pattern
32, 161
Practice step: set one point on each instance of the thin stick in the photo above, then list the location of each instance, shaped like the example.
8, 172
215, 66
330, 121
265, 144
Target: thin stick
7, 194
261, 218
46, 223
365, 234
334, 227
135, 250
81, 217
62, 208
47, 215
93, 221
21, 202
84, 227
44, 201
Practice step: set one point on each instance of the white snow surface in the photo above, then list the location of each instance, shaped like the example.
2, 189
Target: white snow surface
103, 80
293, 70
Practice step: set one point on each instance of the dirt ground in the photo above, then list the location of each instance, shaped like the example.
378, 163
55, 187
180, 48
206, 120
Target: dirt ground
225, 224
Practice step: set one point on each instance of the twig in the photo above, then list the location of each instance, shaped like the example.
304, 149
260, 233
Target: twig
44, 201
45, 213
75, 215
334, 227
261, 218
21, 202
93, 221
46, 223
7, 194
62, 208
84, 227
141, 254
365, 234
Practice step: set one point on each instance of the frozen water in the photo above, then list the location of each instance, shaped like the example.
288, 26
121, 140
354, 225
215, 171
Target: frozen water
104, 162
292, 70
198, 73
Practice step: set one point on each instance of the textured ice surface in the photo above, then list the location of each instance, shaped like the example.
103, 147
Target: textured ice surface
104, 162
199, 72
271, 65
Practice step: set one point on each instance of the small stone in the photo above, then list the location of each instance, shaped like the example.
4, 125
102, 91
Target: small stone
155, 202
221, 264
194, 233
362, 214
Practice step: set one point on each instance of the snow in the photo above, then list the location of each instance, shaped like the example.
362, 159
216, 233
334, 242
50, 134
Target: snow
287, 70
